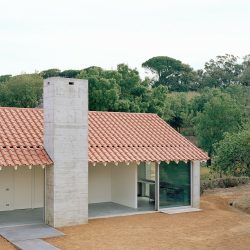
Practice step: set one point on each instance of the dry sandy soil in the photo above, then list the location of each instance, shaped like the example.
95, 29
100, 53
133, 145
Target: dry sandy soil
218, 226
5, 245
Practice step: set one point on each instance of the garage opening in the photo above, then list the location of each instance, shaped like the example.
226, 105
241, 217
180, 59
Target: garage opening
21, 195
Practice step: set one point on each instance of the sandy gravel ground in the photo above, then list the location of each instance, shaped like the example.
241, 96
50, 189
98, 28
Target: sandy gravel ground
218, 226
5, 245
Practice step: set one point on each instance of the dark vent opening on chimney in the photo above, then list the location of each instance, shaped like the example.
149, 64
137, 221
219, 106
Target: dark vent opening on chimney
48, 83
71, 83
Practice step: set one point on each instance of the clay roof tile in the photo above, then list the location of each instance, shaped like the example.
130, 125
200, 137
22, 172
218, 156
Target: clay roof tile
113, 137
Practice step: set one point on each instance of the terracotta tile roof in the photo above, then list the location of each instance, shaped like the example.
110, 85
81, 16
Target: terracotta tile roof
21, 137
119, 137
113, 137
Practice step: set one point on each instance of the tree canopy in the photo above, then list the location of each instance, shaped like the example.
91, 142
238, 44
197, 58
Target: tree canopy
220, 114
123, 90
22, 91
221, 71
172, 73
204, 104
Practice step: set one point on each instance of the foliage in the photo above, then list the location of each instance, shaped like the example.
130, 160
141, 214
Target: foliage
70, 73
233, 153
122, 90
220, 72
4, 78
236, 92
220, 114
158, 103
21, 91
172, 73
129, 79
179, 107
206, 102
245, 77
224, 182
50, 73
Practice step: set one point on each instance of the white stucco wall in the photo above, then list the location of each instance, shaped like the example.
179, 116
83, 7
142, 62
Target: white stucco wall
124, 185
99, 183
38, 190
113, 184
22, 188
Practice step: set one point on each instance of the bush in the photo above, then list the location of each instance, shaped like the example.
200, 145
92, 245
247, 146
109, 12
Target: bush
223, 183
232, 153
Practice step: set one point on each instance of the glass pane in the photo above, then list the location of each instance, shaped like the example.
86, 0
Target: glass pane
174, 184
146, 176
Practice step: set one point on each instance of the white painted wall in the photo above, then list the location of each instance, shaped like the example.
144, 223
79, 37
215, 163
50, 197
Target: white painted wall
112, 183
99, 183
124, 185
38, 187
22, 188
6, 189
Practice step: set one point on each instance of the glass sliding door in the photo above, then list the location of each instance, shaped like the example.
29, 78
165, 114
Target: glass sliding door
174, 185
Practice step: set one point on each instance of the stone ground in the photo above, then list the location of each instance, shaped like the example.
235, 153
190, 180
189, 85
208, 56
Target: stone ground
218, 226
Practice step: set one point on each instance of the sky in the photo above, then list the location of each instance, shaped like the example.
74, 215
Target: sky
75, 34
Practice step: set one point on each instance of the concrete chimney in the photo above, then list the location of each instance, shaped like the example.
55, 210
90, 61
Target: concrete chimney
66, 142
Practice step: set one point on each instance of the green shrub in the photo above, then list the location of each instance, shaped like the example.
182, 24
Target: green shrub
224, 183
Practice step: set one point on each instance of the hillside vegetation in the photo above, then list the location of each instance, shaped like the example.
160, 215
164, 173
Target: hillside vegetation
211, 105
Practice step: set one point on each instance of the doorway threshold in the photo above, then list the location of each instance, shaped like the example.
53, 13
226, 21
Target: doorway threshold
180, 210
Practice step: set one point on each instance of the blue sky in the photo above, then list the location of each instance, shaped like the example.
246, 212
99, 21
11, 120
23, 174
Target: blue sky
37, 35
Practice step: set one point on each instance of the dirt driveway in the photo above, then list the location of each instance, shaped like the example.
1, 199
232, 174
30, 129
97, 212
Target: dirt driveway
218, 226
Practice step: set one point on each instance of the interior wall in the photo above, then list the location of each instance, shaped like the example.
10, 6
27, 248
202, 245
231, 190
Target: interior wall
23, 188
6, 188
38, 187
99, 183
124, 184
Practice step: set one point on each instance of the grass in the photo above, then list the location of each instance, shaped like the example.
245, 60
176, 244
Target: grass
205, 173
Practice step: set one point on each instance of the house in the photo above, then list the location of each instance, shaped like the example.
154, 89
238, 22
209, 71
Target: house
78, 164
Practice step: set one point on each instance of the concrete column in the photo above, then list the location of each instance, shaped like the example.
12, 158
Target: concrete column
196, 184
66, 142
157, 186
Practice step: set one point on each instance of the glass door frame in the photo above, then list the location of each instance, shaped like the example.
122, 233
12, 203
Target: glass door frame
157, 189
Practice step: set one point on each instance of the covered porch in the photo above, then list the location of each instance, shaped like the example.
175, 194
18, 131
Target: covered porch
113, 190
132, 188
21, 195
